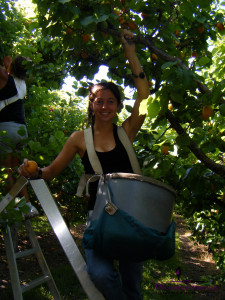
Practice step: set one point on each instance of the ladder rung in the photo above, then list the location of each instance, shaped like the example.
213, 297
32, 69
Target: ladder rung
27, 252
36, 282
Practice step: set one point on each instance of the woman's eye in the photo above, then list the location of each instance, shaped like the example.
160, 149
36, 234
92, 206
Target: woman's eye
99, 102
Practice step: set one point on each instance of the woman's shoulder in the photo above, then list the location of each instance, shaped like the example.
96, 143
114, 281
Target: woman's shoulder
77, 134
77, 139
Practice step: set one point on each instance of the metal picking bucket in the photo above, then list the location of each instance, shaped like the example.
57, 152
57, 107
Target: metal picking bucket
149, 201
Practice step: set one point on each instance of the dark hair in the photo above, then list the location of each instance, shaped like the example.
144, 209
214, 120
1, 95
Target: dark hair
17, 67
104, 85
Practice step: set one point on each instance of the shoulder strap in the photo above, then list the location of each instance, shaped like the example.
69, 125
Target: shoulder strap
21, 93
94, 161
130, 150
93, 158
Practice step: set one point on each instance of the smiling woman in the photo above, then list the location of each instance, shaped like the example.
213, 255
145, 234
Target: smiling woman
104, 102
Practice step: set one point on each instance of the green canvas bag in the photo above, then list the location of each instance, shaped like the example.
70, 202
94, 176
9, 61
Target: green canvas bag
132, 218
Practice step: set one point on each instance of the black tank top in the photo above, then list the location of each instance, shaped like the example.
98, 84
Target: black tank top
112, 161
14, 111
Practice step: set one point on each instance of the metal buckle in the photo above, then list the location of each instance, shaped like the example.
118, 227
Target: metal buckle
110, 208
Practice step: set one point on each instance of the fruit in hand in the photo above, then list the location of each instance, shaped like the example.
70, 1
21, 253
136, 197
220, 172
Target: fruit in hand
31, 167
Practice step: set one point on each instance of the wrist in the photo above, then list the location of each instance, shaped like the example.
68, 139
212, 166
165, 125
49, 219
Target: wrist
140, 75
39, 176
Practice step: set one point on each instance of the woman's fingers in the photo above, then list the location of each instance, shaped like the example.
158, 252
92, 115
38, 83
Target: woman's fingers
24, 171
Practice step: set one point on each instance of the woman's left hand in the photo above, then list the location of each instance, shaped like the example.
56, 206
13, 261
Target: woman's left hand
127, 42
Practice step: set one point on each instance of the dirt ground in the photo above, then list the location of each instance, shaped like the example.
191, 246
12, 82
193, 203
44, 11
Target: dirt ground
197, 260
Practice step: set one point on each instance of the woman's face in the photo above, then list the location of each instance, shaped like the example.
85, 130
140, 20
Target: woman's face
105, 104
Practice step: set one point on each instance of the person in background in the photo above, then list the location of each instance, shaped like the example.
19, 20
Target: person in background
12, 119
104, 103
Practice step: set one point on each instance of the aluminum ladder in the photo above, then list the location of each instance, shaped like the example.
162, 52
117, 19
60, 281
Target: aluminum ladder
60, 229
12, 256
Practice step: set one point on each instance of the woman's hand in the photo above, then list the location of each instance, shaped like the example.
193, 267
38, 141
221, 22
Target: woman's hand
27, 170
127, 42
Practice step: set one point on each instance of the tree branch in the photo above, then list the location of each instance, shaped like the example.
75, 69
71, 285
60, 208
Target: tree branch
217, 168
148, 41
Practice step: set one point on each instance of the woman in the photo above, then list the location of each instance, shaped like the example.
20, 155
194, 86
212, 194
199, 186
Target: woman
12, 118
104, 103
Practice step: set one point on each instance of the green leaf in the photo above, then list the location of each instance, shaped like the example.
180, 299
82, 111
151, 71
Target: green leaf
63, 1
168, 64
102, 18
88, 20
59, 135
177, 97
222, 109
203, 61
153, 109
129, 108
183, 140
204, 3
21, 131
143, 109
186, 9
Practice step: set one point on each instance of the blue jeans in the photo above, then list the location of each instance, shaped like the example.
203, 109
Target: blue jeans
115, 286
12, 140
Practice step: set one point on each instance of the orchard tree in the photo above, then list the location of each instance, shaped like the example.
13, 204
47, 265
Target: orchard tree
180, 45
168, 34
182, 142
51, 116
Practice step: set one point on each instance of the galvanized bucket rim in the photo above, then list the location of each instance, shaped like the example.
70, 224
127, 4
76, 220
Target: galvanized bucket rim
142, 178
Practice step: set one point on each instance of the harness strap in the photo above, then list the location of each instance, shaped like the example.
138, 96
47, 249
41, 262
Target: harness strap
81, 185
21, 93
130, 150
94, 160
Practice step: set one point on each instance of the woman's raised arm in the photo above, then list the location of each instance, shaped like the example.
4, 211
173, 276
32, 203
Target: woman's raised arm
135, 121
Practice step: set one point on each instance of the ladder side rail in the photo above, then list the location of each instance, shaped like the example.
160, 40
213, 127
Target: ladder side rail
41, 260
14, 275
65, 238
17, 187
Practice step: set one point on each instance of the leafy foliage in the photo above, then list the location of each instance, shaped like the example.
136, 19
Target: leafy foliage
181, 47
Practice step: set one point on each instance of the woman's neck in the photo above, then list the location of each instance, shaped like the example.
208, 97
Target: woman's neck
103, 127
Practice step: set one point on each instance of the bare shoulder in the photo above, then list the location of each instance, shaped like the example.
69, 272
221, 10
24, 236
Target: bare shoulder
76, 139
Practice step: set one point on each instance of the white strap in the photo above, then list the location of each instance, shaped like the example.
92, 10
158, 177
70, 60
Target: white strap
130, 150
82, 183
95, 163
21, 93
93, 158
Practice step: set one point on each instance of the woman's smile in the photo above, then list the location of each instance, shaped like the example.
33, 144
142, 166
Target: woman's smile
105, 104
